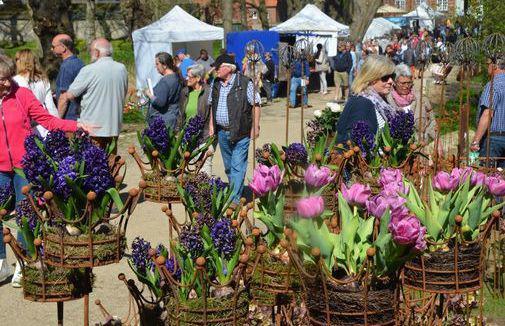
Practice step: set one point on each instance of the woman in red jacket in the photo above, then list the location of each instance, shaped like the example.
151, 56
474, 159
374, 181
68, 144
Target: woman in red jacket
18, 107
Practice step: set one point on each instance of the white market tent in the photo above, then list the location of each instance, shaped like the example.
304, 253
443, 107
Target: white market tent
177, 29
321, 27
425, 14
380, 27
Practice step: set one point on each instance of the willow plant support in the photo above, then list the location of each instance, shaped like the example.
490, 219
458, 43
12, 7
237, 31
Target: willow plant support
65, 251
356, 300
204, 310
274, 282
430, 281
286, 57
161, 184
45, 289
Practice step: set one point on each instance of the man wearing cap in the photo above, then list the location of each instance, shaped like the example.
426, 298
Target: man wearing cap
233, 104
186, 62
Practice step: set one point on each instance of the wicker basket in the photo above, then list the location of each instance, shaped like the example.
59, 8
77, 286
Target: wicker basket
161, 189
230, 310
56, 284
273, 282
458, 269
87, 250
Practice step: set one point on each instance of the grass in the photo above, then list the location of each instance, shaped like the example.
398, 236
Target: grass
493, 308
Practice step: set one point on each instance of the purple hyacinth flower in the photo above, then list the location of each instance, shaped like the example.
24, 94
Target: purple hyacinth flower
362, 136
296, 154
224, 237
401, 126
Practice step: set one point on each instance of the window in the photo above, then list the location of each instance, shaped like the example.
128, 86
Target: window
442, 5
400, 3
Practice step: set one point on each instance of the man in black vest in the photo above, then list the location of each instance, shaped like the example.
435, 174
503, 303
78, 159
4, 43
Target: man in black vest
233, 104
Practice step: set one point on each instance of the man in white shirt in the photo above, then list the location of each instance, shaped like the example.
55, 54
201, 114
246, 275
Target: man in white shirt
103, 85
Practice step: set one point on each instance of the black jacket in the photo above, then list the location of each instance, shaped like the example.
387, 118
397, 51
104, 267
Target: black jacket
342, 62
239, 109
357, 108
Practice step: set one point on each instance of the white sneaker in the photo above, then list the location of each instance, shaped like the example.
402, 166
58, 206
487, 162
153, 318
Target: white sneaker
18, 276
5, 270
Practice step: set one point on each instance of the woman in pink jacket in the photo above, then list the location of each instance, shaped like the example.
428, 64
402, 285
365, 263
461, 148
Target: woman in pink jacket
18, 108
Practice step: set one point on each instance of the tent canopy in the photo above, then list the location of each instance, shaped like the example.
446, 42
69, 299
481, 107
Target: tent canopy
176, 29
311, 19
425, 14
380, 27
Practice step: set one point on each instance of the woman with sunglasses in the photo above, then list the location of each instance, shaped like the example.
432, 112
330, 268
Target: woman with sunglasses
406, 97
370, 88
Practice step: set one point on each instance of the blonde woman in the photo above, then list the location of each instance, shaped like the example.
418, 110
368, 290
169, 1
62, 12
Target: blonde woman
372, 85
31, 76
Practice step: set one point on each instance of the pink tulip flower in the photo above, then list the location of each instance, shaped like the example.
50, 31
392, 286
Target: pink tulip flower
421, 242
310, 207
389, 176
445, 182
377, 206
357, 194
496, 185
406, 231
478, 178
318, 177
265, 179
461, 174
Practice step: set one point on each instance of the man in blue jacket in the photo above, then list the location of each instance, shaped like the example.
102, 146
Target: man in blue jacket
341, 65
299, 78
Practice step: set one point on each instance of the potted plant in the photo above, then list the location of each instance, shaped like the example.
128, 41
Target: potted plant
42, 282
393, 146
170, 155
458, 214
73, 182
207, 286
351, 277
324, 123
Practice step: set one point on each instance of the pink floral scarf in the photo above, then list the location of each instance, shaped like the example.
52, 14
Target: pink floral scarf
403, 100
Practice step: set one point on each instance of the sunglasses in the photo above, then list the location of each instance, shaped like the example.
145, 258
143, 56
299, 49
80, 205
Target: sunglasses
386, 78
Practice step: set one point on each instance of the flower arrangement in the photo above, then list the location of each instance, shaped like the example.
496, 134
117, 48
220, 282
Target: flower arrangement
170, 148
267, 185
399, 234
326, 120
292, 160
73, 193
206, 195
73, 171
392, 145
142, 264
462, 192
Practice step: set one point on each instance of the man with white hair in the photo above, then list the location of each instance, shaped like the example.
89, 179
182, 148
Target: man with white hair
234, 107
102, 85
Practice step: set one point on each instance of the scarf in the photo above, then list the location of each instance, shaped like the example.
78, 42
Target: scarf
383, 110
403, 100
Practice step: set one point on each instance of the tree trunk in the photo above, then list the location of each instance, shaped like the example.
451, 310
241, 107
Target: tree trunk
90, 20
362, 12
49, 18
227, 17
263, 13
243, 15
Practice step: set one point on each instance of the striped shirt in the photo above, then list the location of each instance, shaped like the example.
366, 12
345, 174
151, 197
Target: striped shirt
222, 107
498, 123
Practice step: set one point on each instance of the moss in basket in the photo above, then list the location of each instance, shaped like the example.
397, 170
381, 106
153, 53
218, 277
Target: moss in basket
101, 252
73, 282
217, 308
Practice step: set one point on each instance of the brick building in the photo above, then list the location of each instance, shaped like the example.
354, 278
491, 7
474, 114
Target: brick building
448, 7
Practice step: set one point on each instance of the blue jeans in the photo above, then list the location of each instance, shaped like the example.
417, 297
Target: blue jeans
275, 90
235, 162
17, 182
295, 83
496, 149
